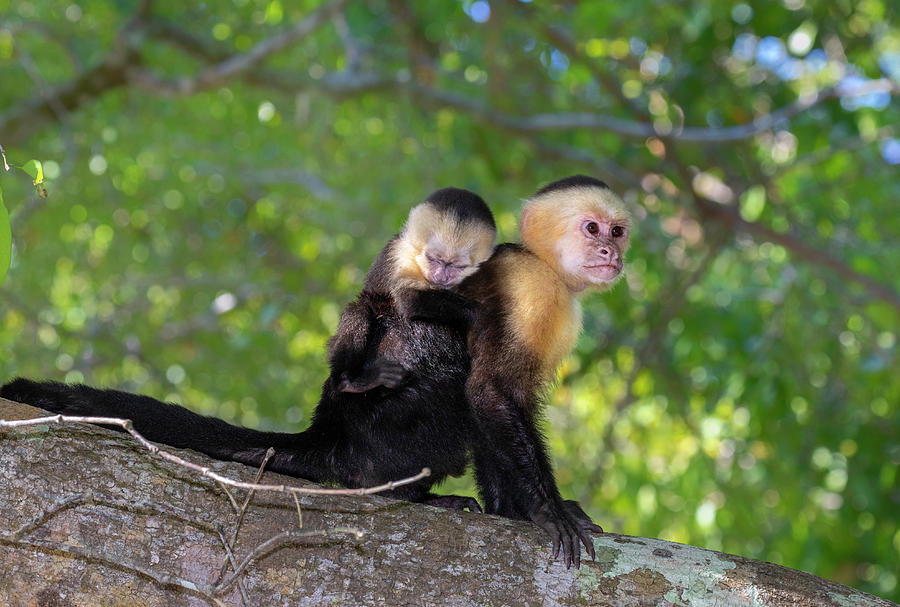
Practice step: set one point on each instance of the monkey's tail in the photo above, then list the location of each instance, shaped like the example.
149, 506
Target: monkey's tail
175, 426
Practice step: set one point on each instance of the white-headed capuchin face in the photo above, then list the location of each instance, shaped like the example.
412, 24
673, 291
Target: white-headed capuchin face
582, 230
446, 264
441, 247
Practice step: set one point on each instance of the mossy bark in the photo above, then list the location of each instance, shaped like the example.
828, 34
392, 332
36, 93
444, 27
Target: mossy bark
141, 531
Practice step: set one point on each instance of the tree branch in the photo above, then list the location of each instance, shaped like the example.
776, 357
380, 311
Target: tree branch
22, 120
238, 64
431, 556
708, 209
792, 242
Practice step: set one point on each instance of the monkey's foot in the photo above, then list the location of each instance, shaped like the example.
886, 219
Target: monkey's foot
581, 518
566, 530
453, 502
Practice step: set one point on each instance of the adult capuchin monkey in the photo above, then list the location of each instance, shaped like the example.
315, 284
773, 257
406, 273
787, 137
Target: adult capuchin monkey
394, 401
575, 232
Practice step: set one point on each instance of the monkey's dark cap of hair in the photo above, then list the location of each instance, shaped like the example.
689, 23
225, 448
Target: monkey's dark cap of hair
465, 204
572, 182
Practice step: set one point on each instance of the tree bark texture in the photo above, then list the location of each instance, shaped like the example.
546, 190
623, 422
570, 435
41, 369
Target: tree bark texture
102, 521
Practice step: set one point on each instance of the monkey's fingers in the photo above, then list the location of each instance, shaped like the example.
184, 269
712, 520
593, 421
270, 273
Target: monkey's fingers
391, 374
353, 388
581, 518
556, 537
382, 372
571, 550
588, 543
542, 520
562, 533
578, 535
576, 548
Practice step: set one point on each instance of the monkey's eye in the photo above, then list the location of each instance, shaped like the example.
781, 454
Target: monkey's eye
617, 232
592, 228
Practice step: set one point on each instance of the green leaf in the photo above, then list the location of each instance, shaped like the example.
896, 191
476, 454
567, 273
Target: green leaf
753, 202
36, 170
5, 240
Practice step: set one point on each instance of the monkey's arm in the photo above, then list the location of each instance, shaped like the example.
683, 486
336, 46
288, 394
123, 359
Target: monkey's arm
514, 473
435, 305
351, 371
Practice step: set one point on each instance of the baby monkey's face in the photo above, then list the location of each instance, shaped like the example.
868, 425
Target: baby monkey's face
448, 248
444, 265
452, 254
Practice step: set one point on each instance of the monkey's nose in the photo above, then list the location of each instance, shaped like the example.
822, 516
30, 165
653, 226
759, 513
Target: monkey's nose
441, 277
608, 254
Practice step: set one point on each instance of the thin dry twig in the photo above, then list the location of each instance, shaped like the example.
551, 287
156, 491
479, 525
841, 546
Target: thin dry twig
230, 558
286, 537
126, 425
243, 510
299, 510
230, 497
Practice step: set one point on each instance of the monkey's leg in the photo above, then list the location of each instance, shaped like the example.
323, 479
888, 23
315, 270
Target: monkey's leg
420, 493
347, 347
305, 458
512, 463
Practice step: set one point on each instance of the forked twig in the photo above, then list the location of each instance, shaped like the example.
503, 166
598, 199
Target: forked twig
127, 425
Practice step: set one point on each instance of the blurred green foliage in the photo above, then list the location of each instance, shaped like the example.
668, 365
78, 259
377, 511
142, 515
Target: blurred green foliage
741, 392
5, 240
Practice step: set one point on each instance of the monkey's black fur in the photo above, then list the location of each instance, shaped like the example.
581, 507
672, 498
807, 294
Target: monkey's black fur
572, 182
359, 438
464, 204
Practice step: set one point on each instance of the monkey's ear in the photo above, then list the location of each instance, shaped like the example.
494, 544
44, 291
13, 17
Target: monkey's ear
524, 222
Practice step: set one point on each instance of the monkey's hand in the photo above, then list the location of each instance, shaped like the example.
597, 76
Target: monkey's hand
382, 372
567, 529
453, 502
583, 520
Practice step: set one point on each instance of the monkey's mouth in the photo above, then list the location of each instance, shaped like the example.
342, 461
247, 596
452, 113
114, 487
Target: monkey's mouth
603, 271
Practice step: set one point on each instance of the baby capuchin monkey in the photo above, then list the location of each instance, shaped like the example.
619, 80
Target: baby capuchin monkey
575, 233
394, 401
445, 240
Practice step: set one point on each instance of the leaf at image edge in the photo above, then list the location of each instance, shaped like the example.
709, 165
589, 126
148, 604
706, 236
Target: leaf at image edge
5, 240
